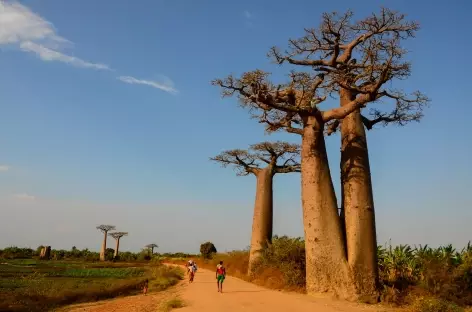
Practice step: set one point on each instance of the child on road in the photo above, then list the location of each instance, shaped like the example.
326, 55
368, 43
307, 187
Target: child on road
220, 276
145, 287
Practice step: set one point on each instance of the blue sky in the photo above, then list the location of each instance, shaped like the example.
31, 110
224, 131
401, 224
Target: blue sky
108, 116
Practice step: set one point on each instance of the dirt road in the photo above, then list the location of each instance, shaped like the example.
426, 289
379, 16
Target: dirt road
238, 295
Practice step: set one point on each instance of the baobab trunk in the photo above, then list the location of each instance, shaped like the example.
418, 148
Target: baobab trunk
358, 204
117, 247
104, 247
326, 264
263, 215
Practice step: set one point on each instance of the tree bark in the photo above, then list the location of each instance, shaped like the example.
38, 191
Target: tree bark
326, 264
117, 247
358, 204
104, 247
262, 221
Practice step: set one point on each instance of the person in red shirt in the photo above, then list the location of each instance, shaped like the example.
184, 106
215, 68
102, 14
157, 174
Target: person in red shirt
220, 276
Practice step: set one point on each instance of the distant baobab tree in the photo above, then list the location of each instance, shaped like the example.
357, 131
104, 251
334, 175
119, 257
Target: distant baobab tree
151, 247
117, 236
263, 160
105, 228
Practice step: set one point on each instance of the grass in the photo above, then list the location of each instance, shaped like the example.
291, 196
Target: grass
28, 285
99, 273
174, 303
434, 305
163, 277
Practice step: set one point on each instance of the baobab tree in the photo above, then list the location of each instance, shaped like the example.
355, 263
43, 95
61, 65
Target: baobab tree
263, 160
105, 228
357, 57
295, 106
151, 247
117, 236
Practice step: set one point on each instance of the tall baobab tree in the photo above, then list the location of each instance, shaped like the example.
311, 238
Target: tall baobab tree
357, 57
263, 160
151, 247
105, 228
117, 236
295, 106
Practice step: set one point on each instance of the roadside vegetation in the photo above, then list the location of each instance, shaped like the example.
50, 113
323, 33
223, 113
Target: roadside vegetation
421, 278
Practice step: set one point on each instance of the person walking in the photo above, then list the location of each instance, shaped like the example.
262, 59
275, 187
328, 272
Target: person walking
145, 286
220, 276
192, 269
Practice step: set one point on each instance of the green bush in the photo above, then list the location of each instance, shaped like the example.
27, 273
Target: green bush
16, 253
441, 272
287, 255
207, 250
435, 305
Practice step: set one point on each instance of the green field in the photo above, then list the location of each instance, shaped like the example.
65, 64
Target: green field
30, 285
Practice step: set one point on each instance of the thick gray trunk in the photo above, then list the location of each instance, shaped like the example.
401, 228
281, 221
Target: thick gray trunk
263, 215
117, 247
358, 204
104, 247
326, 264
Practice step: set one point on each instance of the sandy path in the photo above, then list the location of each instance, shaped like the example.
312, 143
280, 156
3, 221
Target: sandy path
237, 295
139, 303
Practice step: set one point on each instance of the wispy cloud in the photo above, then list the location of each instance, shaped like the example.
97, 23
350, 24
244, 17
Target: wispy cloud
47, 54
28, 31
167, 85
4, 168
249, 17
23, 196
21, 27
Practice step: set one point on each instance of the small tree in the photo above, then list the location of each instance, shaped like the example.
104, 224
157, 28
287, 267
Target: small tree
263, 160
104, 228
151, 248
207, 250
117, 236
109, 254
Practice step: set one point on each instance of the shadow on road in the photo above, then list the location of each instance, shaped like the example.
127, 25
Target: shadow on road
243, 291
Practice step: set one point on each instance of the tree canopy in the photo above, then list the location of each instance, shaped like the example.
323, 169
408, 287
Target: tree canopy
283, 156
360, 56
105, 228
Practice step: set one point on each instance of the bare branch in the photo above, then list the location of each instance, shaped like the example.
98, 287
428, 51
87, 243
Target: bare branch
338, 36
375, 40
276, 120
359, 56
117, 235
105, 228
278, 152
332, 127
262, 155
243, 161
279, 107
406, 110
343, 111
151, 246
